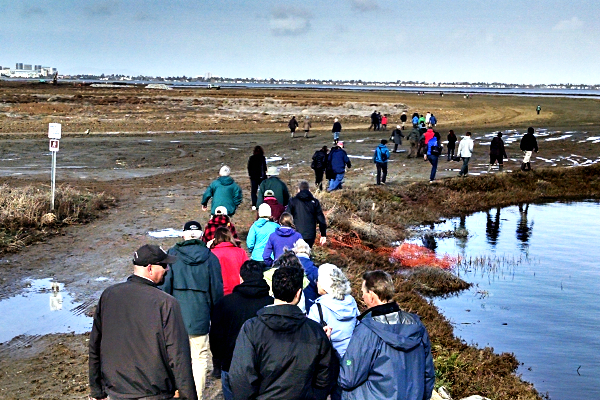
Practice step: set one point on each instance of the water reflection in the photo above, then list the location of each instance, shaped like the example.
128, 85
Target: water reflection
492, 227
56, 299
524, 229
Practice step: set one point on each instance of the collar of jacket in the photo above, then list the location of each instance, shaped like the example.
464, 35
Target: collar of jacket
305, 195
140, 279
253, 288
382, 309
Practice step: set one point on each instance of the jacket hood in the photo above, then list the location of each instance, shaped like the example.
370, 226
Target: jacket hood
192, 252
259, 223
226, 180
406, 334
344, 310
220, 220
305, 195
285, 231
253, 289
282, 318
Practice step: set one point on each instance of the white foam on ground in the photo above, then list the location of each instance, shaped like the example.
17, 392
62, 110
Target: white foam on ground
271, 159
361, 157
558, 138
166, 233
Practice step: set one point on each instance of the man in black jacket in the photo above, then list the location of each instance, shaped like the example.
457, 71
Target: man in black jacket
319, 164
139, 347
230, 313
307, 212
497, 152
281, 354
528, 145
195, 280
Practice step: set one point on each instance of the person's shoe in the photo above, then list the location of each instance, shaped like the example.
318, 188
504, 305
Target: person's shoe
292, 135
253, 208
383, 183
489, 168
216, 373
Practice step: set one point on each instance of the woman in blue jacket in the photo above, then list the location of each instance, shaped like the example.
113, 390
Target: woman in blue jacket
259, 233
434, 149
284, 237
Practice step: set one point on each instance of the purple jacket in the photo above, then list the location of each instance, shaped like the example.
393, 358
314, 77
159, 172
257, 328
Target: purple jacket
283, 237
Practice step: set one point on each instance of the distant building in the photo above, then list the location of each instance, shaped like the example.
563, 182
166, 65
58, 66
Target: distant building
27, 67
37, 68
19, 66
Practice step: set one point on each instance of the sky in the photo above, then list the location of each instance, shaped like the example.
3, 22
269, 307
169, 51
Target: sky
510, 41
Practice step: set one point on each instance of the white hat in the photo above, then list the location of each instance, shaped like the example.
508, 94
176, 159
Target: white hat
398, 126
264, 210
333, 281
221, 210
272, 171
224, 171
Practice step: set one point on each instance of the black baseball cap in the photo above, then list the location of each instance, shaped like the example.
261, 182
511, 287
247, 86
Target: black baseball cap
152, 254
192, 226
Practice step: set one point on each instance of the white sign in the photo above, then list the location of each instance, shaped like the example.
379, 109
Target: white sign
54, 130
54, 143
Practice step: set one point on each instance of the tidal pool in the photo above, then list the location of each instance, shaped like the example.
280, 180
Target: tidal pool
536, 272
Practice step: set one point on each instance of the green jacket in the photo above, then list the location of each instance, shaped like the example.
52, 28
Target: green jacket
278, 187
224, 192
414, 135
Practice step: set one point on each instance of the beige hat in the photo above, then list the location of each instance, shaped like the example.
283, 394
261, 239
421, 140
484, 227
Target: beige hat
224, 171
264, 210
272, 171
269, 193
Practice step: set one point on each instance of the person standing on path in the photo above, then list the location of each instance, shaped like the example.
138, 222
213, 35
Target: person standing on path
307, 213
434, 150
397, 136
230, 313
528, 146
380, 158
319, 164
257, 171
279, 188
452, 139
413, 138
336, 163
307, 126
139, 346
465, 150
224, 192
293, 124
497, 152
337, 128
195, 280
403, 119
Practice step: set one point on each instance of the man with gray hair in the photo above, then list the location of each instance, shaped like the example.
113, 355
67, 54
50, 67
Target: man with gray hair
307, 213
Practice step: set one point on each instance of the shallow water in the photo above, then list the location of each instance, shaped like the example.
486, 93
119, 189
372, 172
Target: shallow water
536, 292
42, 309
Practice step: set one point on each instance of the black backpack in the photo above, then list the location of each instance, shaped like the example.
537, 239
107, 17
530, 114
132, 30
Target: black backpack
436, 150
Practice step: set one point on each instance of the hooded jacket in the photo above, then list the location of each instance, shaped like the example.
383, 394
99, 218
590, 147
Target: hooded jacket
214, 223
529, 143
389, 357
283, 237
431, 143
224, 192
230, 313
257, 167
397, 136
231, 258
340, 315
195, 281
281, 354
278, 187
452, 140
465, 147
337, 127
428, 135
497, 147
307, 213
258, 236
276, 208
338, 160
381, 152
319, 160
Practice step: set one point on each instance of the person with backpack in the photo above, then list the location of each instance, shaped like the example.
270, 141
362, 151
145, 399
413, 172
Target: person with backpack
319, 164
434, 150
380, 158
337, 161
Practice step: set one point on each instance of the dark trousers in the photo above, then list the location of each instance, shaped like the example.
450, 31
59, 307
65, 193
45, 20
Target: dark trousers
494, 158
254, 184
396, 147
450, 153
381, 167
319, 178
433, 160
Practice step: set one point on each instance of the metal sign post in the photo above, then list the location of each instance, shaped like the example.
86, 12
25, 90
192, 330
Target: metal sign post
54, 133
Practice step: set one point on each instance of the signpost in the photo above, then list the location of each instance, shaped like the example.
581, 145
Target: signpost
54, 133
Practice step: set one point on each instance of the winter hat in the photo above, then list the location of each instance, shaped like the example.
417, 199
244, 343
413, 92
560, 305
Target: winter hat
333, 281
264, 210
272, 171
301, 247
224, 171
192, 229
221, 210
269, 193
397, 126
341, 144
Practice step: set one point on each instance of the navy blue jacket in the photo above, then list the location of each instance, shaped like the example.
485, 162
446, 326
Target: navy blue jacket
338, 160
389, 357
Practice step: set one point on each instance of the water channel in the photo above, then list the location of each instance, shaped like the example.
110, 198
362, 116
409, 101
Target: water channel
536, 275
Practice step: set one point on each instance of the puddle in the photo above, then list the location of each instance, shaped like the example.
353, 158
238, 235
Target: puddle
44, 308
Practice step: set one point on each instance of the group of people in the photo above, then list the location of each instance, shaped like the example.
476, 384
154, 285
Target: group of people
378, 121
331, 164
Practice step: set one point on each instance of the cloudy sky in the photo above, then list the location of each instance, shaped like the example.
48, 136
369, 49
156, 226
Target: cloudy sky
514, 41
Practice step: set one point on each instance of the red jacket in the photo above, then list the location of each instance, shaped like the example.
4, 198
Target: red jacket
428, 135
215, 222
231, 258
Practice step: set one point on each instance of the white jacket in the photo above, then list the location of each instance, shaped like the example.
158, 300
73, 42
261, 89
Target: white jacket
465, 147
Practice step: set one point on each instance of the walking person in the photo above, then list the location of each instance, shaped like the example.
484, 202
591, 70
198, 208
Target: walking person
497, 152
336, 164
380, 158
276, 208
279, 188
283, 238
403, 119
257, 171
538, 109
413, 138
373, 120
384, 121
465, 150
307, 213
528, 146
307, 126
293, 124
230, 312
415, 120
139, 346
231, 257
434, 150
319, 164
220, 218
195, 280
224, 192
432, 121
397, 136
337, 128
378, 127
259, 232
452, 139
310, 293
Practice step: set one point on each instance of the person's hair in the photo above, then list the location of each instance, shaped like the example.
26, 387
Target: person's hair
437, 136
530, 129
451, 131
252, 270
383, 141
286, 282
324, 148
258, 151
468, 133
223, 234
287, 259
303, 185
301, 247
380, 283
499, 134
286, 219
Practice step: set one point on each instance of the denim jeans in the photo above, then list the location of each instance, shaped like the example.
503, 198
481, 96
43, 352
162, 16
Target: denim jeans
336, 183
227, 393
465, 167
433, 160
336, 136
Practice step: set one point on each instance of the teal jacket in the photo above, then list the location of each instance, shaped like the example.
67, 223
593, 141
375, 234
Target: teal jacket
224, 192
195, 281
258, 236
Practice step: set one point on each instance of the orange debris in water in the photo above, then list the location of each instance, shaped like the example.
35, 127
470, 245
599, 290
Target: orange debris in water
412, 255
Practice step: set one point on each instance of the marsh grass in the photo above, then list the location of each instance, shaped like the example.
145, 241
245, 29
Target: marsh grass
25, 216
